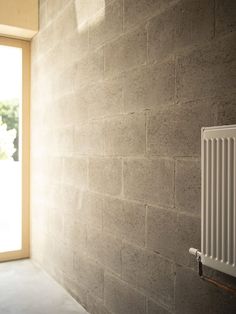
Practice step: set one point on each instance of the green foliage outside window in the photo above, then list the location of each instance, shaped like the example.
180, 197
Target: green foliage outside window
9, 130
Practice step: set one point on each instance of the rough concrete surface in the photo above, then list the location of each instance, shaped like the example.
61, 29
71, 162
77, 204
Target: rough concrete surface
120, 91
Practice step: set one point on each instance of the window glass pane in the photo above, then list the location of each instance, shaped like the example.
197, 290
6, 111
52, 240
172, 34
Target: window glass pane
10, 149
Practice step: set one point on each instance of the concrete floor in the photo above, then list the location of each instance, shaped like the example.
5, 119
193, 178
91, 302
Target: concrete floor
26, 289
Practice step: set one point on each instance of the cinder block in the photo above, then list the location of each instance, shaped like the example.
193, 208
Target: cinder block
47, 86
80, 104
171, 234
78, 292
69, 212
106, 24
45, 41
189, 235
90, 209
181, 137
104, 248
125, 135
75, 235
225, 12
226, 112
96, 306
186, 23
66, 257
149, 272
154, 308
125, 220
67, 197
75, 46
194, 295
52, 268
38, 251
49, 140
63, 83
85, 10
150, 180
89, 138
120, 298
89, 69
41, 214
80, 109
128, 51
106, 98
51, 193
188, 186
62, 259
161, 40
63, 111
54, 169
75, 172
65, 24
105, 175
207, 72
136, 11
162, 232
149, 87
95, 133
89, 97
34, 63
89, 274
194, 22
54, 7
52, 62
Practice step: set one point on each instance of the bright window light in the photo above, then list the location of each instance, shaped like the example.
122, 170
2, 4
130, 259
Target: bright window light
10, 150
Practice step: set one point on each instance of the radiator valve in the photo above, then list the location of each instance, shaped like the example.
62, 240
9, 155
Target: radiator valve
197, 254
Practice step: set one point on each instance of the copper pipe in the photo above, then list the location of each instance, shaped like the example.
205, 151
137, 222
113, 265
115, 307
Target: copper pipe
219, 284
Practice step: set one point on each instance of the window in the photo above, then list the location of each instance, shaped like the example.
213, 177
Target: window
14, 148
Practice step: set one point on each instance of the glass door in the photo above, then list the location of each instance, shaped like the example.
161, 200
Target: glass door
14, 149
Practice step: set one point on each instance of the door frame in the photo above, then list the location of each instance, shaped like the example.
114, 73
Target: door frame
25, 251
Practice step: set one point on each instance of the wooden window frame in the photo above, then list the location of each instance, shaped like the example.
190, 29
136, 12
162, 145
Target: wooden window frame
25, 251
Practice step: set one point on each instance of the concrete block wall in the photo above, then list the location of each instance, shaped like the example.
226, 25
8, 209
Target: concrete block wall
120, 91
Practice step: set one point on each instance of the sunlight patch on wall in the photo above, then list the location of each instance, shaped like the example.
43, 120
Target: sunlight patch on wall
89, 13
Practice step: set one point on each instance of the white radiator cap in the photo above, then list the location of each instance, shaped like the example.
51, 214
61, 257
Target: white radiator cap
193, 251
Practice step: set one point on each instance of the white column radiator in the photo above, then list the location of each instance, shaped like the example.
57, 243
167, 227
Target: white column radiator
218, 198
